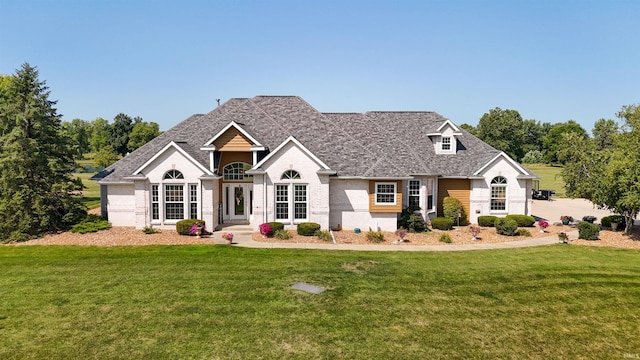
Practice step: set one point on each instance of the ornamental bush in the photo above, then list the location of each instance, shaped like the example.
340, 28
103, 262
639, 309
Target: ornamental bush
265, 229
607, 220
276, 225
445, 238
416, 224
487, 220
282, 234
406, 213
308, 228
324, 235
375, 236
451, 208
442, 223
522, 220
91, 223
588, 231
505, 226
183, 227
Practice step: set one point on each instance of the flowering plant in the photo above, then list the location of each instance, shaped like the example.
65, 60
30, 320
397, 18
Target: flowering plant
401, 233
197, 228
265, 229
227, 236
475, 230
543, 224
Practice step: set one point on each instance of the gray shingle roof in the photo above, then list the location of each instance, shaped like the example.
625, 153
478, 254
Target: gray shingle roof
374, 144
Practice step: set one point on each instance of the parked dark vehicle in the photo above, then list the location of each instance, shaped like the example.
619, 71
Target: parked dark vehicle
542, 194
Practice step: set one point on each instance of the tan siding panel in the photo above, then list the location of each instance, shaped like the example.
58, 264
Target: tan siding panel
232, 140
385, 208
455, 188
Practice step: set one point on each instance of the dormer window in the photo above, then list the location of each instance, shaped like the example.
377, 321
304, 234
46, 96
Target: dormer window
446, 143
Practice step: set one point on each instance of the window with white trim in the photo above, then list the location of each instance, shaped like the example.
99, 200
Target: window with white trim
430, 197
299, 202
236, 172
385, 193
173, 199
292, 199
499, 193
173, 202
193, 201
155, 202
414, 193
446, 143
282, 202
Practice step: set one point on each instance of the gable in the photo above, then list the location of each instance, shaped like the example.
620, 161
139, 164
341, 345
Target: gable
232, 140
502, 163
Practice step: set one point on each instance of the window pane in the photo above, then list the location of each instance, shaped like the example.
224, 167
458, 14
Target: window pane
300, 202
282, 211
300, 211
174, 211
385, 193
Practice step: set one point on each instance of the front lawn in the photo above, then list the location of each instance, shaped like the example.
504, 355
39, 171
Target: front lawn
222, 302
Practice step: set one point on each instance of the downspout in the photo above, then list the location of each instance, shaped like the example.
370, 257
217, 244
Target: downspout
264, 197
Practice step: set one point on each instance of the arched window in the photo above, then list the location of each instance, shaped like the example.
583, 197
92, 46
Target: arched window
173, 174
290, 175
235, 172
499, 193
292, 198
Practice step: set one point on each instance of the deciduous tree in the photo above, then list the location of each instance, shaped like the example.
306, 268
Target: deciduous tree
608, 177
554, 139
142, 133
504, 130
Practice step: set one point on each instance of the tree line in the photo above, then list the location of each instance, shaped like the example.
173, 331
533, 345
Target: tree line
530, 141
109, 141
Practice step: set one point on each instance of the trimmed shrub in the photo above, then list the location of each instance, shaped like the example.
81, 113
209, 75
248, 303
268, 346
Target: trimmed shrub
375, 236
442, 223
416, 224
275, 226
506, 226
324, 235
308, 228
523, 232
588, 231
265, 230
445, 238
487, 220
183, 227
150, 230
282, 234
406, 213
451, 208
522, 220
91, 223
607, 220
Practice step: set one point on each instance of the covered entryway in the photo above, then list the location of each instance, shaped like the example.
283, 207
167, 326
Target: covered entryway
236, 201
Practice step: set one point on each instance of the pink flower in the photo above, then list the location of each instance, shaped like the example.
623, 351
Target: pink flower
265, 229
543, 224
227, 236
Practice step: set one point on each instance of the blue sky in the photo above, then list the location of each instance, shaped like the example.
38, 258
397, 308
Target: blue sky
165, 60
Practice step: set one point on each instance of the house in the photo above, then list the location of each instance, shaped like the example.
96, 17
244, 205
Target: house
276, 158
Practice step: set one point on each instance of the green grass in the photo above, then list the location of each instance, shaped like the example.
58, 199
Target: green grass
90, 195
221, 302
550, 178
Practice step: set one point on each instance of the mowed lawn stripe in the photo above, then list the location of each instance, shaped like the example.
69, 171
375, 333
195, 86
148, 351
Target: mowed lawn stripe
226, 302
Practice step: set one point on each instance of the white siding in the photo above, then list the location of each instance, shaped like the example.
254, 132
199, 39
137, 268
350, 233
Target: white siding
121, 205
518, 191
130, 205
290, 157
349, 201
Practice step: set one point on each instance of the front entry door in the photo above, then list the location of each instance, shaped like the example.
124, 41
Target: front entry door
237, 201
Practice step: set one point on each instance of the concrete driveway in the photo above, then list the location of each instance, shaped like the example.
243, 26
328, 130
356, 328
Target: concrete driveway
551, 210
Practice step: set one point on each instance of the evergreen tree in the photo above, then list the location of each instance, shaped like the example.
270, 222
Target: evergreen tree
36, 162
119, 133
